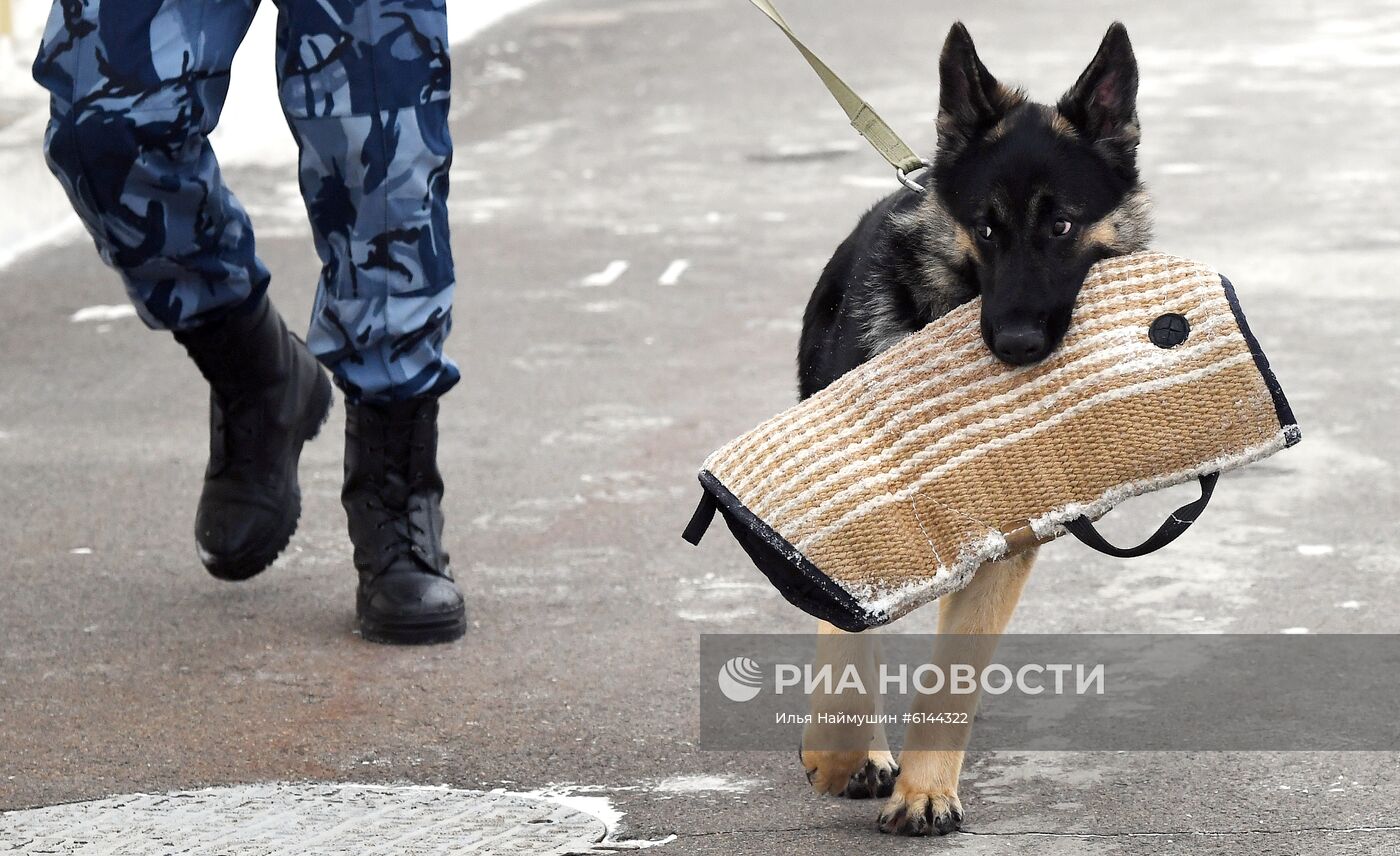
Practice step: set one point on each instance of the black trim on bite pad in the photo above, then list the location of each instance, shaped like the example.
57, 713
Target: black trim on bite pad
790, 572
1286, 420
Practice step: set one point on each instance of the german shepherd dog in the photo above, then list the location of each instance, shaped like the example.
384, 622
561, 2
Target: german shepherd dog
1024, 199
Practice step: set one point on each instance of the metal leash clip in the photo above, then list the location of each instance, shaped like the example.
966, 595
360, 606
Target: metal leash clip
907, 181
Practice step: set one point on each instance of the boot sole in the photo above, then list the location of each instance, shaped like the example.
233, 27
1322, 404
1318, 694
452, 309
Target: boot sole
242, 568
448, 628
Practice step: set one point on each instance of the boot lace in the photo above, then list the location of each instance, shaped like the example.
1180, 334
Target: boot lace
399, 519
235, 424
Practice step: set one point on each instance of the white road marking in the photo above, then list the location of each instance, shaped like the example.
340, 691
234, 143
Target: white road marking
1181, 169
1295, 631
1315, 549
608, 275
720, 617
871, 182
103, 313
674, 271
1205, 111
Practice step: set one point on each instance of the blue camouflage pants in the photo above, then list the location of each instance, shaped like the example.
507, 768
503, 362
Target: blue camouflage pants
137, 85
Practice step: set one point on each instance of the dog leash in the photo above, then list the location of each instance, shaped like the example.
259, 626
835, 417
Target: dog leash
863, 117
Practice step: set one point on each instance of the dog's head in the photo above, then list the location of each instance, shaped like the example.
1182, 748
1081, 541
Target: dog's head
1038, 193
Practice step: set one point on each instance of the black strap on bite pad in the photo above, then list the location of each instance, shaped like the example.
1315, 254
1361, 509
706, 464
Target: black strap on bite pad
1179, 521
701, 520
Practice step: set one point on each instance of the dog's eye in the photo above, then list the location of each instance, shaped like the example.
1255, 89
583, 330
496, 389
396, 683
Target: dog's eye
984, 232
1061, 228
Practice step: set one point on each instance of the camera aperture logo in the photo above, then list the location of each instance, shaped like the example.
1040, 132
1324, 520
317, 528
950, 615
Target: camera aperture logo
740, 679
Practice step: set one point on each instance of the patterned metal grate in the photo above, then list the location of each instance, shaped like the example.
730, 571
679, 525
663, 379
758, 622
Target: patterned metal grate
302, 820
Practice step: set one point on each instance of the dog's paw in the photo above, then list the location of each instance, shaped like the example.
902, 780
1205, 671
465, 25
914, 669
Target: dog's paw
831, 772
875, 779
921, 813
854, 775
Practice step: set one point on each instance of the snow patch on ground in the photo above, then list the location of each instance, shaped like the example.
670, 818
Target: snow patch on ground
578, 798
466, 20
251, 131
596, 801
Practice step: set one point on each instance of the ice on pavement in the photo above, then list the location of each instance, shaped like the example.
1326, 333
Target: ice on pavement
705, 784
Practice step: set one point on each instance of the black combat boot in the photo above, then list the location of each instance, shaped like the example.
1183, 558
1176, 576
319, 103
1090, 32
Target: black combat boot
392, 496
268, 397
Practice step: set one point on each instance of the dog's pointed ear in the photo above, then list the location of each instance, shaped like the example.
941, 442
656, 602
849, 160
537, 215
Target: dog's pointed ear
970, 100
1102, 105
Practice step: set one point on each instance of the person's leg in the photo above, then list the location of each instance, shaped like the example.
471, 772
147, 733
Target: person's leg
366, 95
365, 86
136, 86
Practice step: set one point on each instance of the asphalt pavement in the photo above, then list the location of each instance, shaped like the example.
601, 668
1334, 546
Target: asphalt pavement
643, 196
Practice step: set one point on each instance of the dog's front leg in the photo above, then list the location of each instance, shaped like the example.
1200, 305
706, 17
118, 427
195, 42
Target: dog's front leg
847, 758
925, 800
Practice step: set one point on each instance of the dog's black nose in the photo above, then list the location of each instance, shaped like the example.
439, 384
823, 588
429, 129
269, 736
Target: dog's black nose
1021, 346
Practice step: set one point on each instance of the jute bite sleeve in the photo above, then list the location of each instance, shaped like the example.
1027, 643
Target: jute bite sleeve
891, 487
